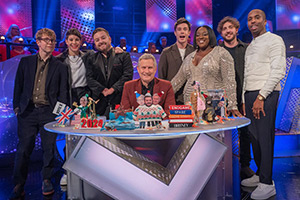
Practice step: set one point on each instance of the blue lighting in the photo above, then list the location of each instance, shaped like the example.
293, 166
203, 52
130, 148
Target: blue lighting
200, 23
10, 11
280, 9
296, 18
188, 17
167, 11
165, 26
88, 15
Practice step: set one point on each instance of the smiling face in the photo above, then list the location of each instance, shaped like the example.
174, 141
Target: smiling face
148, 101
73, 42
229, 32
257, 22
146, 69
102, 41
182, 33
202, 38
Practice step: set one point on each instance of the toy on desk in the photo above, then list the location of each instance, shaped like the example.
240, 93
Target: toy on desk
64, 116
120, 119
87, 118
209, 113
197, 102
150, 115
83, 108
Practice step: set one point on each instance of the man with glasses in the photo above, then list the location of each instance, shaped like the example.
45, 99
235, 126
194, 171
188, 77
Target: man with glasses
40, 82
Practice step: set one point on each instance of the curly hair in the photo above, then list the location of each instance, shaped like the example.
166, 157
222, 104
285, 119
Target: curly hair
232, 20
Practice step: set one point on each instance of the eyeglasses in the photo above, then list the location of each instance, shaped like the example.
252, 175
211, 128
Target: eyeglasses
48, 40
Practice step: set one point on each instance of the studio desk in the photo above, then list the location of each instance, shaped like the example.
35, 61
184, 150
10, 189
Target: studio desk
175, 163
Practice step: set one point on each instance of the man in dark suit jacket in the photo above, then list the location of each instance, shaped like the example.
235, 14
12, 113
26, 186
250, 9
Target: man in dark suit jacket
171, 58
147, 82
107, 72
40, 82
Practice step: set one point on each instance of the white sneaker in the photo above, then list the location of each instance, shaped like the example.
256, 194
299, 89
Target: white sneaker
263, 191
64, 180
253, 181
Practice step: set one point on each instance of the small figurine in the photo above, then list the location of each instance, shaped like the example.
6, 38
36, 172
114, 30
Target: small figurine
149, 114
84, 105
198, 104
209, 114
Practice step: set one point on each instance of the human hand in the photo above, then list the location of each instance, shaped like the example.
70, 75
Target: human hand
118, 50
258, 106
235, 113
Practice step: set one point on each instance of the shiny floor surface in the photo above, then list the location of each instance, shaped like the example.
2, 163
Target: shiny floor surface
286, 175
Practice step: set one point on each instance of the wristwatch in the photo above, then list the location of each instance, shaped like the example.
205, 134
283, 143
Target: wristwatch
261, 98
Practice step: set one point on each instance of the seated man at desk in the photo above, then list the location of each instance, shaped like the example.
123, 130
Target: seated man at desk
147, 67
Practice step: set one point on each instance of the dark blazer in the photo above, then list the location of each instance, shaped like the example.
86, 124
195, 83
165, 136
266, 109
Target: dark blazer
119, 70
79, 91
169, 64
129, 98
56, 82
62, 57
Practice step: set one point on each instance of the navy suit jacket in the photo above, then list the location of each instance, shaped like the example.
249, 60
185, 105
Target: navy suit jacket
56, 82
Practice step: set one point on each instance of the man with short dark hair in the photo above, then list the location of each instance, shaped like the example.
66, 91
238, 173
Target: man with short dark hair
107, 72
228, 27
40, 82
147, 82
265, 64
171, 57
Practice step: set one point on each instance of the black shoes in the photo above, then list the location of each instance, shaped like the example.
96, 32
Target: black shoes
17, 193
47, 188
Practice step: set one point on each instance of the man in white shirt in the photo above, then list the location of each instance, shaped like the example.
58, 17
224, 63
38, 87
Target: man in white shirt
264, 68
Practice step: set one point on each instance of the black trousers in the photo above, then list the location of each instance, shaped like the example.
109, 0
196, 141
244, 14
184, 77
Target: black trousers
30, 123
262, 132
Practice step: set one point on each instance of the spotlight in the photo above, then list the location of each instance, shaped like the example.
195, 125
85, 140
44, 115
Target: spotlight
291, 46
21, 40
156, 50
124, 48
146, 50
2, 38
84, 45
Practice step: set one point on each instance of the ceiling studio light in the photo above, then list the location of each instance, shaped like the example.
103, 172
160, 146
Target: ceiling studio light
291, 46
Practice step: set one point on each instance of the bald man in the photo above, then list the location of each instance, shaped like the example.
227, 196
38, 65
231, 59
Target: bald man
264, 68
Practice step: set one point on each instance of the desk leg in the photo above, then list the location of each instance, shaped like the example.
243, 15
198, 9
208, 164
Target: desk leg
74, 182
224, 170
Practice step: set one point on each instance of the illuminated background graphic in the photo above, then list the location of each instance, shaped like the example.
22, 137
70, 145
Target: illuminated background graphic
288, 14
198, 13
161, 15
16, 12
78, 14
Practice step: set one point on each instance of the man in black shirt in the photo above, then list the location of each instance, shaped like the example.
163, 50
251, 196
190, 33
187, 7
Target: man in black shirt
228, 27
107, 72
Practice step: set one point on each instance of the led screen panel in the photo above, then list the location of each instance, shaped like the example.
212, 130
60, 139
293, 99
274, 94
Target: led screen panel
288, 14
78, 14
198, 13
160, 15
16, 12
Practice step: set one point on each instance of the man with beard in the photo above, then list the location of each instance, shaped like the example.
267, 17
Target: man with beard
228, 27
172, 57
265, 64
107, 72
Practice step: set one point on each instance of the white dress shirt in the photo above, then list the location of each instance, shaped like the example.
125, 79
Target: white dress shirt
265, 64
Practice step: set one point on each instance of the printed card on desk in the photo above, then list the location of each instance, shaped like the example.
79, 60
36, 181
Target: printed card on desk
59, 107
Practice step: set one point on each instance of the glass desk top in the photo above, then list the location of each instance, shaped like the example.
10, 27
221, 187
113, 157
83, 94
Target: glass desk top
139, 134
